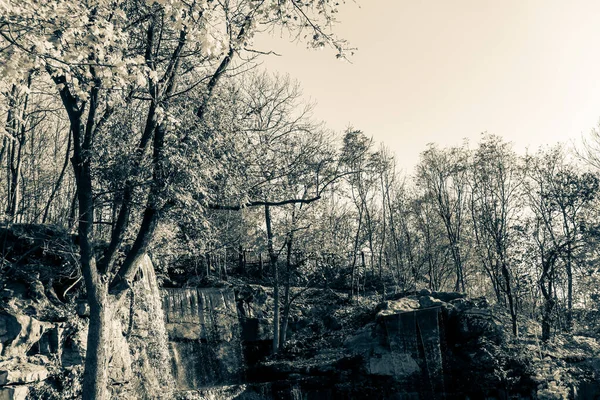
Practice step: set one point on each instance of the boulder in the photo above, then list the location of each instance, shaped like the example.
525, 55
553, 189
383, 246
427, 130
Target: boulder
447, 296
16, 371
83, 309
391, 307
18, 333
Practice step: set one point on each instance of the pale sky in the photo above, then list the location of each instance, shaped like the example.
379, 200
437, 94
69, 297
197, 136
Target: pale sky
440, 71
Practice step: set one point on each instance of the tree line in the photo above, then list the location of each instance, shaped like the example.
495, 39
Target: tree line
521, 230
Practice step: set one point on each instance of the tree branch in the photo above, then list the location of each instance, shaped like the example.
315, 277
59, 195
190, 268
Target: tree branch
263, 203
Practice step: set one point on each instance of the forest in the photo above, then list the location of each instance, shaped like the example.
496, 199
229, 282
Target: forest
148, 128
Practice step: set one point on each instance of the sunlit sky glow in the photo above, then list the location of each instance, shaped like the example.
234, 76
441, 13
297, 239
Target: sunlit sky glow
440, 71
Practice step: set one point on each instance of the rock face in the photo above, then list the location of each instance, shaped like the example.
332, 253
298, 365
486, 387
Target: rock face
21, 335
405, 352
404, 345
420, 342
16, 375
204, 336
18, 333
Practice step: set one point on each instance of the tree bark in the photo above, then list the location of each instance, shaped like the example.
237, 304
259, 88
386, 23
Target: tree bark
95, 378
273, 264
546, 281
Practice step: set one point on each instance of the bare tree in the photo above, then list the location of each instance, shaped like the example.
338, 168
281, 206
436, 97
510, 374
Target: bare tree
495, 208
442, 175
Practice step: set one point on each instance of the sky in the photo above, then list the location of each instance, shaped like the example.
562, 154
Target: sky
440, 71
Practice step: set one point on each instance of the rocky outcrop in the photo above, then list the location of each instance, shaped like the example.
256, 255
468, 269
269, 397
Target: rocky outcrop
23, 340
17, 375
404, 343
19, 333
420, 340
201, 314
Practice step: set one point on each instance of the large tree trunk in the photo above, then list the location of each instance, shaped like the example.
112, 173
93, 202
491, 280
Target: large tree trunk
95, 378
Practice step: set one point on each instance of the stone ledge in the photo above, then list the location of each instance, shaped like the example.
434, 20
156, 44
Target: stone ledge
16, 371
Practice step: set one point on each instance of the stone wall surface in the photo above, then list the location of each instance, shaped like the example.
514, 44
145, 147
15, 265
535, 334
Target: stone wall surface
204, 336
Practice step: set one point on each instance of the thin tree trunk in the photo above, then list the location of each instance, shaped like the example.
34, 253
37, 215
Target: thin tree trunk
547, 292
569, 270
73, 209
273, 264
16, 155
511, 302
364, 266
354, 253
